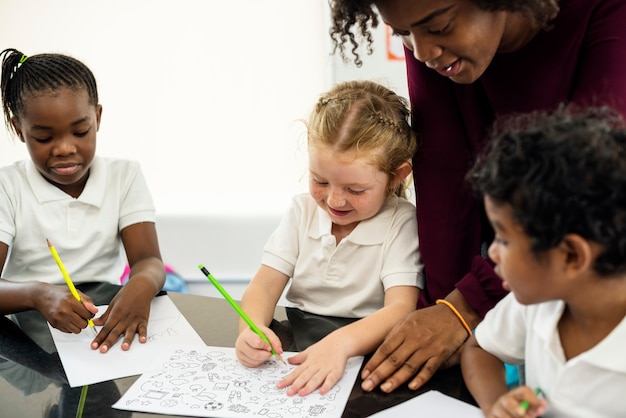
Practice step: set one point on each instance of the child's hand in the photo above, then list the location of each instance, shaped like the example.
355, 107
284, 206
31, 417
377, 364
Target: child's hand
127, 315
321, 366
61, 309
252, 351
510, 404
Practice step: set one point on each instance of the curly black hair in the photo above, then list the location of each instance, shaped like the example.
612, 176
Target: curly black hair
561, 172
361, 15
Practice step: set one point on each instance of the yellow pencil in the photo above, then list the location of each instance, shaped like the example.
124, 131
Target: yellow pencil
68, 280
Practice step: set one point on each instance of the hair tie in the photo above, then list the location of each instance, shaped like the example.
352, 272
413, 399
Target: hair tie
23, 59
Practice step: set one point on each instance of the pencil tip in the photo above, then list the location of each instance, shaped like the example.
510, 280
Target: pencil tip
48, 241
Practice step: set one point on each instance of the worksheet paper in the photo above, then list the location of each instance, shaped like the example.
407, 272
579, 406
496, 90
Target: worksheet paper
431, 404
84, 366
210, 382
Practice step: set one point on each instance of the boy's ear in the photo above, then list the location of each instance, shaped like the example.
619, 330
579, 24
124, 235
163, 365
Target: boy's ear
401, 173
579, 254
16, 126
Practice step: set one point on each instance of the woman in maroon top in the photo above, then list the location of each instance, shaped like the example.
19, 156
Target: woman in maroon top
469, 61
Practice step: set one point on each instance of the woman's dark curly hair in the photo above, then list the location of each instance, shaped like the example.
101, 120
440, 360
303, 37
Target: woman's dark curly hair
562, 173
361, 15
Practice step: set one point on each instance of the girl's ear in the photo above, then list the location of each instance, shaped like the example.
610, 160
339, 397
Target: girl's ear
98, 116
579, 254
16, 126
401, 174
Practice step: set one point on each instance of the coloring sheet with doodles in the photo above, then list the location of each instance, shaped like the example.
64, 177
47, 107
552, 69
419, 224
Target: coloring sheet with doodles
206, 381
84, 366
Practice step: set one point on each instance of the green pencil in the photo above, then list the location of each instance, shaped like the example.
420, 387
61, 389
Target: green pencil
238, 309
525, 404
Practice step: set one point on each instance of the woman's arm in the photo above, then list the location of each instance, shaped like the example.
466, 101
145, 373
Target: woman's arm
425, 340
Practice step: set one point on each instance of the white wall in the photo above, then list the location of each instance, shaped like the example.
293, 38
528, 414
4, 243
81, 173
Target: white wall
207, 95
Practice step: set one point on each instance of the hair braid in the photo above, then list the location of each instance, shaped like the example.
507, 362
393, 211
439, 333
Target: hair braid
368, 119
39, 73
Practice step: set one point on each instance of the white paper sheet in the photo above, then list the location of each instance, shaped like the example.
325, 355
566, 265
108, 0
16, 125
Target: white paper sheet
431, 404
210, 382
84, 366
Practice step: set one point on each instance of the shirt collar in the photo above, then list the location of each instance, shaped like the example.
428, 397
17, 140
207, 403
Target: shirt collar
602, 355
93, 194
368, 232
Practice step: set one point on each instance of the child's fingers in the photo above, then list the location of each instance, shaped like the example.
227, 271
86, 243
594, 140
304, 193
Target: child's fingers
295, 380
88, 304
254, 357
251, 350
329, 382
101, 320
298, 358
274, 341
310, 380
295, 373
520, 402
140, 329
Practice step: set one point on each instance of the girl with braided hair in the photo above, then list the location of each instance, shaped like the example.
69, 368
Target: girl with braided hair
348, 246
469, 61
87, 206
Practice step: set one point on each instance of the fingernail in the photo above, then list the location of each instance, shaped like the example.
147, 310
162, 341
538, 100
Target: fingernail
367, 385
386, 387
364, 374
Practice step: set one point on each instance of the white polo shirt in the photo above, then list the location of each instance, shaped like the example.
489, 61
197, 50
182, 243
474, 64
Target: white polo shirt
85, 231
350, 279
592, 384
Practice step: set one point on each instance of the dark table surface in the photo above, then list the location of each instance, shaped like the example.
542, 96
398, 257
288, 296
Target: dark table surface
33, 383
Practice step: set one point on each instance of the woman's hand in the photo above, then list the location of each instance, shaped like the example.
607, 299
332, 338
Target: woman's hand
320, 366
426, 340
252, 351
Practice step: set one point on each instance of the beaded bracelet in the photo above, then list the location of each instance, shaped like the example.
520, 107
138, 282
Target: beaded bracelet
457, 313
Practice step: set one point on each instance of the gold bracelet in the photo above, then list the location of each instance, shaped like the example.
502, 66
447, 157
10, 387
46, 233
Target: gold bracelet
457, 313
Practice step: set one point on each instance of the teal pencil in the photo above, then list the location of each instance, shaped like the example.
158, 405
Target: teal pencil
238, 309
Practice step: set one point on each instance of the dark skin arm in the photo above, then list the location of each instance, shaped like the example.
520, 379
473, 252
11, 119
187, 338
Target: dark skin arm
485, 377
129, 310
426, 340
54, 302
